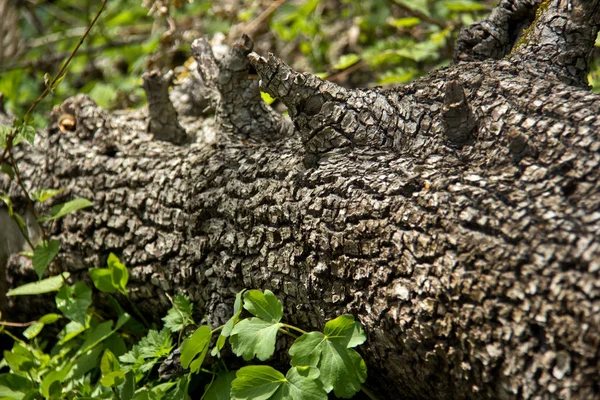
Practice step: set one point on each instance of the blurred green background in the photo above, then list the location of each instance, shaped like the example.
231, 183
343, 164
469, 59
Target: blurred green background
351, 42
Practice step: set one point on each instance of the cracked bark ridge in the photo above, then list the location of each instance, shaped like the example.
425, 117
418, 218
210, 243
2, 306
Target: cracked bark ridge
494, 36
163, 122
239, 109
475, 273
559, 43
329, 117
459, 121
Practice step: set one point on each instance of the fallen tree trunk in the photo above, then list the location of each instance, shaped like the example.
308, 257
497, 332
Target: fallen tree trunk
457, 217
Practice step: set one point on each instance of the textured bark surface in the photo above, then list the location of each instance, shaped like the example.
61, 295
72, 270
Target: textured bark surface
457, 217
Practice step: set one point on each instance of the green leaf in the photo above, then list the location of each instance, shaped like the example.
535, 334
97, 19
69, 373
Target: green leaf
194, 348
346, 61
101, 332
111, 279
50, 318
14, 386
342, 368
47, 285
180, 315
26, 132
181, 390
102, 279
119, 273
5, 131
70, 331
41, 195
228, 327
266, 97
254, 336
149, 350
6, 199
85, 363
43, 254
127, 389
51, 382
7, 169
111, 370
74, 300
264, 306
407, 22
260, 382
60, 210
19, 361
220, 387
33, 330
58, 81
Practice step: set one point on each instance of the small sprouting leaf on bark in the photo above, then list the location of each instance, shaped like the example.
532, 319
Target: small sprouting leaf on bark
254, 337
194, 348
60, 210
266, 383
74, 300
43, 254
342, 368
180, 315
41, 195
263, 305
47, 285
111, 279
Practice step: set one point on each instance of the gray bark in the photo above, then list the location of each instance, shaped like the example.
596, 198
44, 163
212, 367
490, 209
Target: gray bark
457, 217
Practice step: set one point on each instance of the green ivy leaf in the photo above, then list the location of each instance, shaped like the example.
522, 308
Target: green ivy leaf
220, 387
43, 254
194, 348
60, 210
47, 285
261, 382
74, 300
228, 327
41, 195
180, 315
33, 330
70, 331
264, 306
342, 368
254, 336
111, 279
127, 389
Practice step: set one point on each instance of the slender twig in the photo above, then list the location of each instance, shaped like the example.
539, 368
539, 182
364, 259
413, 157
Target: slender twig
294, 328
17, 324
369, 394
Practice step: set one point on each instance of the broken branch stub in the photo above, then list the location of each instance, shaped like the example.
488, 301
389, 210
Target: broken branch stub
163, 122
239, 106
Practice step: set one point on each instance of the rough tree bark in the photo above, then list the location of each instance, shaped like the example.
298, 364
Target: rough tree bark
457, 217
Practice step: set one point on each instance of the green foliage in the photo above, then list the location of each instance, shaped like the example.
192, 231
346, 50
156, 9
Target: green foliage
180, 315
90, 358
43, 254
111, 279
264, 382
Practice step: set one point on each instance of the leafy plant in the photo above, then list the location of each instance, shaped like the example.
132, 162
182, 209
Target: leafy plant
90, 358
